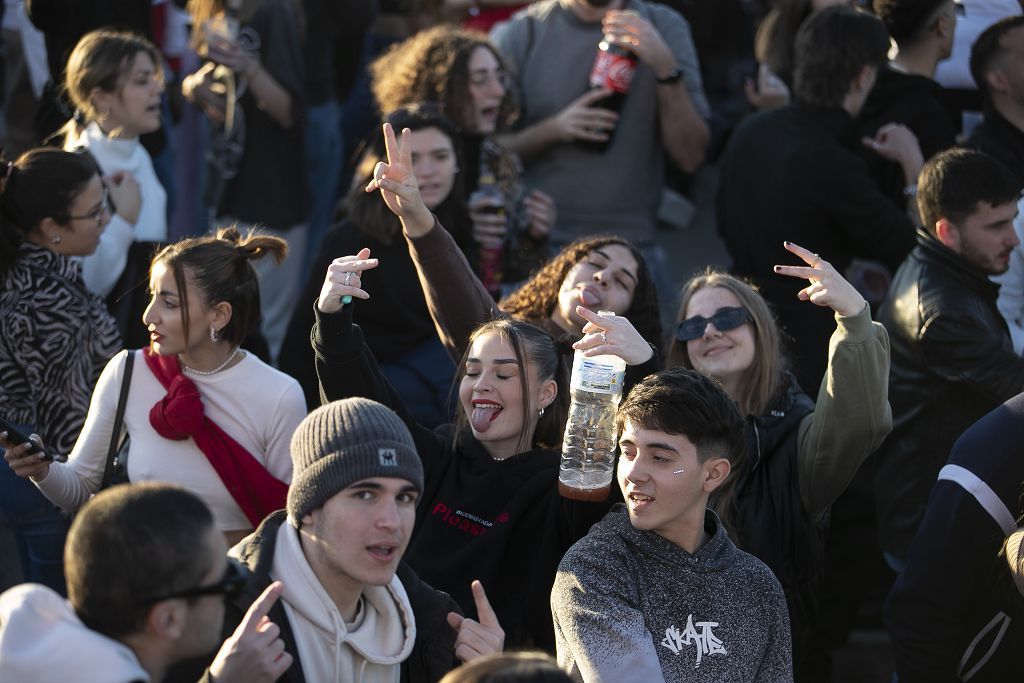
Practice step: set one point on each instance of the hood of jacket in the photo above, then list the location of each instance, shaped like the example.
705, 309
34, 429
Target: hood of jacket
43, 640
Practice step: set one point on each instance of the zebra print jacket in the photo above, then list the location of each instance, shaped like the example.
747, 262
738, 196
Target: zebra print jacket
55, 339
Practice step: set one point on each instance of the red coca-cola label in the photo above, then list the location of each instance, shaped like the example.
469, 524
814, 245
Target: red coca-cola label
613, 70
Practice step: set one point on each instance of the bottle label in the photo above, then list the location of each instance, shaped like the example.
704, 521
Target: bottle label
613, 71
599, 378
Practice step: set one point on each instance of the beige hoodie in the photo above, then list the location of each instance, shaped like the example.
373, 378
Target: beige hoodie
372, 652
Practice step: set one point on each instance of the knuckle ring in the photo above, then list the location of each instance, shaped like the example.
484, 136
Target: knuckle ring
348, 279
604, 337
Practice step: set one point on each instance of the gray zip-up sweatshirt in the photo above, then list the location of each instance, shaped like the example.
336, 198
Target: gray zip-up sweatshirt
630, 605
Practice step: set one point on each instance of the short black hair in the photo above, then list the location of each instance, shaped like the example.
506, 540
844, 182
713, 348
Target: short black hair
953, 182
988, 47
131, 543
684, 402
832, 47
906, 19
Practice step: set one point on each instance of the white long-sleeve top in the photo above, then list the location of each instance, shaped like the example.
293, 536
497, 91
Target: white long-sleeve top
258, 406
114, 155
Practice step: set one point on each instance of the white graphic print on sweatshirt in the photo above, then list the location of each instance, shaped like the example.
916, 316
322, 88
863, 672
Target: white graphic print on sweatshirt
706, 641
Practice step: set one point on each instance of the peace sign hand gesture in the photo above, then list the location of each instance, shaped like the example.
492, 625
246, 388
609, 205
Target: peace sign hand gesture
827, 288
398, 185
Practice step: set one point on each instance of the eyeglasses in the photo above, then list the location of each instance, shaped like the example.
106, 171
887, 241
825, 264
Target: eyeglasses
482, 78
96, 214
230, 586
724, 319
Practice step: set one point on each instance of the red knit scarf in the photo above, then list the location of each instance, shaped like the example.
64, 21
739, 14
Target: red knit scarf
180, 415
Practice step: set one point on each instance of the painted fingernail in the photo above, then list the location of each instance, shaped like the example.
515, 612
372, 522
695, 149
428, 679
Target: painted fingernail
778, 267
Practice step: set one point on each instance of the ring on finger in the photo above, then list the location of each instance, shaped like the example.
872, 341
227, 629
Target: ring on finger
348, 279
604, 337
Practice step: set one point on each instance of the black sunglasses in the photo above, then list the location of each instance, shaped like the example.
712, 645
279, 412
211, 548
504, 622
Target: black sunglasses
230, 586
724, 319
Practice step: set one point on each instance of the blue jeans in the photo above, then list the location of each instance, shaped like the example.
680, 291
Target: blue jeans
423, 379
39, 529
324, 148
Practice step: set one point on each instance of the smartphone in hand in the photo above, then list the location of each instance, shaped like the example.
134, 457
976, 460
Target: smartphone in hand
18, 437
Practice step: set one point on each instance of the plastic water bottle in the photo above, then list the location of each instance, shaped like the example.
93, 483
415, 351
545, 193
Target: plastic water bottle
588, 447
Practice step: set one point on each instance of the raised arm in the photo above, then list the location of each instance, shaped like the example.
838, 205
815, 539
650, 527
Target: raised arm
852, 414
456, 298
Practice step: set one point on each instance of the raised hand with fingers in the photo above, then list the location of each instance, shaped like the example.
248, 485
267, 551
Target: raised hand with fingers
397, 184
344, 281
582, 119
828, 287
477, 638
607, 333
254, 653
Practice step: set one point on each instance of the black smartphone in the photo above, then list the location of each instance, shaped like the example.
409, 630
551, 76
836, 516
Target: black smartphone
18, 437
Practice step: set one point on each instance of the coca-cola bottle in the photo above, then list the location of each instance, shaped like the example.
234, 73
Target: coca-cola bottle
613, 70
489, 199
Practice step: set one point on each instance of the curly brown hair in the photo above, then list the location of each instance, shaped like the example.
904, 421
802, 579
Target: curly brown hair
433, 66
535, 300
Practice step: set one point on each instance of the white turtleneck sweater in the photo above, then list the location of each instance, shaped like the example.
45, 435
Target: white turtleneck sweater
114, 155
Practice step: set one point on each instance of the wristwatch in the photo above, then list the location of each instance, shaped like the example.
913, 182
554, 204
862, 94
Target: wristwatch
673, 76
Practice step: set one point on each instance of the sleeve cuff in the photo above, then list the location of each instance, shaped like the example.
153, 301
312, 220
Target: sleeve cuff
856, 328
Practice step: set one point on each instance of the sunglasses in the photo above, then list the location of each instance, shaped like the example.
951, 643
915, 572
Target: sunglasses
230, 586
724, 319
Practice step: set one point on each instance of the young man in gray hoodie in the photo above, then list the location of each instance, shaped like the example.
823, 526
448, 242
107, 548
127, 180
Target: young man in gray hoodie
657, 591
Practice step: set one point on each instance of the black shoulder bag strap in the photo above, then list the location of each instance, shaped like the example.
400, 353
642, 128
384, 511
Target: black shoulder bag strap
115, 436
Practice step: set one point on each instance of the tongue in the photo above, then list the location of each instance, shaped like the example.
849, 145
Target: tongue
482, 417
588, 299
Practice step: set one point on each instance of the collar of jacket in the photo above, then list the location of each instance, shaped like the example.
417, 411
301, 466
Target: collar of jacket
47, 259
931, 250
1005, 132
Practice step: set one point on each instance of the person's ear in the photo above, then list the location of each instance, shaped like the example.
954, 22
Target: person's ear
101, 101
948, 234
220, 315
51, 230
997, 81
548, 392
167, 619
715, 471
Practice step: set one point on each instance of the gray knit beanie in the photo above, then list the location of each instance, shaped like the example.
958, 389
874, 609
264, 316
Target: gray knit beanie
344, 442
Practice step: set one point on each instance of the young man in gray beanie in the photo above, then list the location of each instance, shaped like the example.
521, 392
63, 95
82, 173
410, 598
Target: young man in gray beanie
349, 610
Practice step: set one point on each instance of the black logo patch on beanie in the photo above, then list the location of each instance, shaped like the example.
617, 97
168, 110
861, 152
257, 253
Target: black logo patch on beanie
388, 457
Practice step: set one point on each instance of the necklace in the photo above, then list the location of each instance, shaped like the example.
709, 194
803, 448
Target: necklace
217, 369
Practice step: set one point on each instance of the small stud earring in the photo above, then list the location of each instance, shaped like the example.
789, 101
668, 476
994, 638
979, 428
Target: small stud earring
55, 239
213, 333
540, 413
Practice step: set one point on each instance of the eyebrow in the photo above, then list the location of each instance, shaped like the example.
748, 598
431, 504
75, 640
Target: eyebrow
164, 292
499, 361
624, 271
655, 445
374, 486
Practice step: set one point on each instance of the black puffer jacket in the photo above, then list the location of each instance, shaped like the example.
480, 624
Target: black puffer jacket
952, 362
771, 521
433, 653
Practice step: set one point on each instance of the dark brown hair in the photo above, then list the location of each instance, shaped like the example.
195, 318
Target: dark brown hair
988, 48
433, 66
369, 213
535, 300
42, 183
509, 667
681, 401
529, 343
953, 182
131, 543
220, 268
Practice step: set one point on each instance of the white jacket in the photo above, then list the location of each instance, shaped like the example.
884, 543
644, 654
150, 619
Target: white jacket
1011, 287
43, 641
102, 269
372, 652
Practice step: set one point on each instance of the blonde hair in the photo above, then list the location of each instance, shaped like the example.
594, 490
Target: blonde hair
102, 59
765, 378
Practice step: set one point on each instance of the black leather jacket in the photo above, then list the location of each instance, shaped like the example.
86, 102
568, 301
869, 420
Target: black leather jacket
433, 653
952, 362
